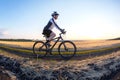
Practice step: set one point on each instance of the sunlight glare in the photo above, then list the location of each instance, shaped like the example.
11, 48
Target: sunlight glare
96, 27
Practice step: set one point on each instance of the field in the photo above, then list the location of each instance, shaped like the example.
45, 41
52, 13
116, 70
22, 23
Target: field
81, 45
92, 67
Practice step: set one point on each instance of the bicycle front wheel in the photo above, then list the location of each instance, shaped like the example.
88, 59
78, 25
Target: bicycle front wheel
39, 49
67, 49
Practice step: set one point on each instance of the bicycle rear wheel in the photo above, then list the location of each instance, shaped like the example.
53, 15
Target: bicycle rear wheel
67, 49
39, 49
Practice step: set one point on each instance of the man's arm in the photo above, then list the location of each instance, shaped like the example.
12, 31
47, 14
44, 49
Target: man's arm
57, 25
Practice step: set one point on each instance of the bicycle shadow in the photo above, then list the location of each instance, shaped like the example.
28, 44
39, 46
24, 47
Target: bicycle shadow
80, 56
57, 57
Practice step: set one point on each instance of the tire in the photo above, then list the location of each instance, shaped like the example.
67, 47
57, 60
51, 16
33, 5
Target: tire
67, 49
39, 49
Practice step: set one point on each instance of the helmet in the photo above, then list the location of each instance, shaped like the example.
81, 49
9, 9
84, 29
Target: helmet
54, 13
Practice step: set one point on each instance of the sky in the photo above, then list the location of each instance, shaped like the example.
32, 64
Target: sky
82, 19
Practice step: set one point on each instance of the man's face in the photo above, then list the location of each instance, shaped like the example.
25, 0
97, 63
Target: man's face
56, 17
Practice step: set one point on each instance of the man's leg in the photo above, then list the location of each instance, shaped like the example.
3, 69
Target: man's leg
52, 35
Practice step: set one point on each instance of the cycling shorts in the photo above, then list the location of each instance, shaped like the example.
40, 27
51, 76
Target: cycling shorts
47, 32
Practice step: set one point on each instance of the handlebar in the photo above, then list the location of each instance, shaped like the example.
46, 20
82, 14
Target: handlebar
62, 32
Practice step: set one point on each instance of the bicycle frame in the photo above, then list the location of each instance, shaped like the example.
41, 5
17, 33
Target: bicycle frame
64, 50
58, 39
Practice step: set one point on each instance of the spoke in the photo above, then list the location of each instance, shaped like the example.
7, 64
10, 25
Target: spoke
39, 49
67, 49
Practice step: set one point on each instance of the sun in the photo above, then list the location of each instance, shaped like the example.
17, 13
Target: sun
95, 27
95, 35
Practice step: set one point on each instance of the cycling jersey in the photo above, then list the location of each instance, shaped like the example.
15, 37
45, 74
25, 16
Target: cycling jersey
48, 28
51, 24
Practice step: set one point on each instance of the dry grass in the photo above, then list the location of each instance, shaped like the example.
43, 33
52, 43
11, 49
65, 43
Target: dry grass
20, 44
93, 44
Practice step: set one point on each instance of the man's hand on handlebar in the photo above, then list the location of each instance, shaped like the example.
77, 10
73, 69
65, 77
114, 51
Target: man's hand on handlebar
63, 31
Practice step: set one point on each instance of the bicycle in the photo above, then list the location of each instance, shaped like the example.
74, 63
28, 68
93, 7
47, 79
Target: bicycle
66, 48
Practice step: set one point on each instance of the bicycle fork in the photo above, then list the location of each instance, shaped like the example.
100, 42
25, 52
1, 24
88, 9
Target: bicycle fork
64, 44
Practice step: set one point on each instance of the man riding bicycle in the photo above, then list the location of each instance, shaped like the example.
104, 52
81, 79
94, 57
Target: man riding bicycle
47, 31
66, 49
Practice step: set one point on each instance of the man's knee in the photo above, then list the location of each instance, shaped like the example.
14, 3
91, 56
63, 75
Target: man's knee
53, 34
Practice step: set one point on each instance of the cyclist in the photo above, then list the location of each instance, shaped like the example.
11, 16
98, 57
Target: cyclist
47, 31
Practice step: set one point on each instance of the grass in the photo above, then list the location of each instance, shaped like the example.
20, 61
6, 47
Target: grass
23, 40
15, 49
98, 50
78, 52
21, 46
79, 44
1, 51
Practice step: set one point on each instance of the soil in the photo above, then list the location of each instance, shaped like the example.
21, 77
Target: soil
87, 66
117, 76
91, 67
6, 75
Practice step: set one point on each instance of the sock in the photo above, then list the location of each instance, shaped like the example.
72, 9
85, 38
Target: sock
47, 41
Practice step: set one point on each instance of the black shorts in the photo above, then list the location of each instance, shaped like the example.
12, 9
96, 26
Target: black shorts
47, 32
